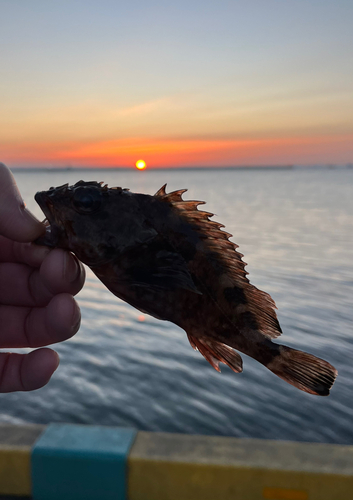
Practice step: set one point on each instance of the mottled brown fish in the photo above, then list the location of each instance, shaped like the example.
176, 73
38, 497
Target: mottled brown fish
168, 259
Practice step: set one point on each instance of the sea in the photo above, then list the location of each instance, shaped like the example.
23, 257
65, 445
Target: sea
125, 368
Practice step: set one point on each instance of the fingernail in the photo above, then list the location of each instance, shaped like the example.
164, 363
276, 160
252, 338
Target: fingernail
76, 318
40, 250
71, 267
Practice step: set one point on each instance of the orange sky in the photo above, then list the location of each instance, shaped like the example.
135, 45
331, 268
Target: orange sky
177, 84
183, 152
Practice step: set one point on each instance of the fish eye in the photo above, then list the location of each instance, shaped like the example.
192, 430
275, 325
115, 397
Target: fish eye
86, 200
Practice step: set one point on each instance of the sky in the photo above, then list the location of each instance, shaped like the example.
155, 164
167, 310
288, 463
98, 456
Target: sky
177, 84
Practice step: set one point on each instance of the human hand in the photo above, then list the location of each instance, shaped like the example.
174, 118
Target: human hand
37, 285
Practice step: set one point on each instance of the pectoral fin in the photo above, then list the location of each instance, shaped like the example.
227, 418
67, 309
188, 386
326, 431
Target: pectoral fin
166, 270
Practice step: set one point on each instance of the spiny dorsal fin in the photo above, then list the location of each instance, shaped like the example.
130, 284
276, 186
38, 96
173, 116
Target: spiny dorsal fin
172, 197
161, 191
259, 303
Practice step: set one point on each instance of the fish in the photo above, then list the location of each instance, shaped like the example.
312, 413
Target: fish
167, 258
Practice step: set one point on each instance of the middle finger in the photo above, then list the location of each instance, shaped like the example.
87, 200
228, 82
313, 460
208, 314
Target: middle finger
23, 285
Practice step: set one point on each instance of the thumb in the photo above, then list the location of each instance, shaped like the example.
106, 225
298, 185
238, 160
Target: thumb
16, 221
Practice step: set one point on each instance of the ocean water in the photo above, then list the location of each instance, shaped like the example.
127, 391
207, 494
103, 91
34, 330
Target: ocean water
295, 229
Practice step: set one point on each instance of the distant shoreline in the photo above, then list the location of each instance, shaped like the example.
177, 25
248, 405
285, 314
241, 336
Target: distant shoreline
245, 167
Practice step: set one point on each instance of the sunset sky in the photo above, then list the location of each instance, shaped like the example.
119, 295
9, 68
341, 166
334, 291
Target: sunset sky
186, 83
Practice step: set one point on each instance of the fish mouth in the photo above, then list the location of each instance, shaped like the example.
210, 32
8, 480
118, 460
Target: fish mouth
54, 235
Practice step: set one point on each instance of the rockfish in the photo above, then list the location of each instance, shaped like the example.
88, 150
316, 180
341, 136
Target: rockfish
168, 259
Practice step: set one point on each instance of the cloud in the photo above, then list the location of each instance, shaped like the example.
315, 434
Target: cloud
146, 107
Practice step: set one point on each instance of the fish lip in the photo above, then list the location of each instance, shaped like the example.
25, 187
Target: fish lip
45, 204
54, 232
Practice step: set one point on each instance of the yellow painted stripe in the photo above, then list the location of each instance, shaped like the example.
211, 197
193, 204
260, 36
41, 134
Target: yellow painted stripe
156, 480
284, 494
165, 466
15, 470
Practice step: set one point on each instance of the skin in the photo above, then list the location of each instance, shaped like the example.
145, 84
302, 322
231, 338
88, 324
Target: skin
37, 285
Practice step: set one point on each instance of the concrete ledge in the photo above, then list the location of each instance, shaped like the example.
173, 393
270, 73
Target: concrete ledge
181, 467
85, 462
15, 458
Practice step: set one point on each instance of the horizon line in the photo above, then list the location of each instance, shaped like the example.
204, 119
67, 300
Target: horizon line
193, 167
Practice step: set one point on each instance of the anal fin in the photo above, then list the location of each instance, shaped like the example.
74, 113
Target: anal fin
216, 352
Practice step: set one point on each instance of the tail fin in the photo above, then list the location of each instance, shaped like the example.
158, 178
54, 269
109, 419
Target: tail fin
303, 370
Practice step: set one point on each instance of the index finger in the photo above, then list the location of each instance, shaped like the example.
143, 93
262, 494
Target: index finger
16, 222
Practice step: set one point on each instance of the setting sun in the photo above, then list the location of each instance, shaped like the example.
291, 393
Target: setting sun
140, 164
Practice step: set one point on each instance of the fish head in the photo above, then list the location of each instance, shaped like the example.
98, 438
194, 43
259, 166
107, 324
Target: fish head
93, 221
